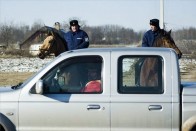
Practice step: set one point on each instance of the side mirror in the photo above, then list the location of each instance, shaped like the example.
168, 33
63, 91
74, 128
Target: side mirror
39, 87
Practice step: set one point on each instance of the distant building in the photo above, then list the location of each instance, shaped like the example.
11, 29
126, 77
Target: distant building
34, 49
2, 46
33, 43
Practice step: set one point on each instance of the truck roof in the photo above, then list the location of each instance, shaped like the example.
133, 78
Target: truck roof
124, 49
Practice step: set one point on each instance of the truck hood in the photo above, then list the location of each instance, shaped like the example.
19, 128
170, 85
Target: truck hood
6, 89
9, 94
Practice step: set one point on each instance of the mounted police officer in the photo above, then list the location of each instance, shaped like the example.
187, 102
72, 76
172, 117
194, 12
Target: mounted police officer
76, 38
61, 31
150, 35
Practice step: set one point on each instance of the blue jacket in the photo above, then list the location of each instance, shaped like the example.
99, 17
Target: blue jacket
76, 40
149, 37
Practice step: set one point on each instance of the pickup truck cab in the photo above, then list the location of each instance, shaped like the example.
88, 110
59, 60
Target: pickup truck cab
54, 98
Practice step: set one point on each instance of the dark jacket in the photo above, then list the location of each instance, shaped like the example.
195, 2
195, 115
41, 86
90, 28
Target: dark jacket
149, 37
77, 40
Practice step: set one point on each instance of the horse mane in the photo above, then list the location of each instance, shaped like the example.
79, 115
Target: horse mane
56, 34
158, 40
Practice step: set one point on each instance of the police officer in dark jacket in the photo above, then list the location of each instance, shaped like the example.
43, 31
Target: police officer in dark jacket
150, 35
76, 38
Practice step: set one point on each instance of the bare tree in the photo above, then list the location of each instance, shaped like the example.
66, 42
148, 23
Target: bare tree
6, 34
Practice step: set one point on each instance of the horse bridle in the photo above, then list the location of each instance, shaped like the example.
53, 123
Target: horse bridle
44, 52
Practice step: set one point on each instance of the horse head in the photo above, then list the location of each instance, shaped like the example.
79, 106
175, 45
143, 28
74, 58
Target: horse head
164, 39
52, 44
47, 47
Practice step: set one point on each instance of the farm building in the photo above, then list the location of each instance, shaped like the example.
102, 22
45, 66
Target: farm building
34, 49
33, 43
2, 46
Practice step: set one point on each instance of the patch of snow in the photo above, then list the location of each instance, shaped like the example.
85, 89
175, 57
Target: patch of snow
22, 64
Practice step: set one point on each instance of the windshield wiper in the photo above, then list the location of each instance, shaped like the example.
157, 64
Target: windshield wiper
16, 86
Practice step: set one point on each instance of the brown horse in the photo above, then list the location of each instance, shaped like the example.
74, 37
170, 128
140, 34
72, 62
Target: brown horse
164, 39
150, 70
53, 43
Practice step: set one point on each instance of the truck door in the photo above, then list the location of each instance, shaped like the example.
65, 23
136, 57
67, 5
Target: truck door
75, 97
139, 100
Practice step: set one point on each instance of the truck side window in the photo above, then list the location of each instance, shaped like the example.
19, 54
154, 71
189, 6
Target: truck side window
140, 75
75, 75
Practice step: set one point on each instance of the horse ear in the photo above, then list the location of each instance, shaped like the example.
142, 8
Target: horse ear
161, 32
169, 32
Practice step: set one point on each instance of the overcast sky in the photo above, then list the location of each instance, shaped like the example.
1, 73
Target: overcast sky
133, 14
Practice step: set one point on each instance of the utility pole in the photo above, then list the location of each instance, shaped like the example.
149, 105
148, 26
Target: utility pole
162, 14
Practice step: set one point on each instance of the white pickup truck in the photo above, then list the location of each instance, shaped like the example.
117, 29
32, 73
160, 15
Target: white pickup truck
54, 98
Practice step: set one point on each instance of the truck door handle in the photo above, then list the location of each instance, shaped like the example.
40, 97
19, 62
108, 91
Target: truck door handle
154, 107
93, 107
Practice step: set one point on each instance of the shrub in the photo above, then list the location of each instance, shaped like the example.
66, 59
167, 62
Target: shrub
15, 53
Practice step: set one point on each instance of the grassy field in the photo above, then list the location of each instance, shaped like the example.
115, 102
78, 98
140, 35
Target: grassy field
13, 78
